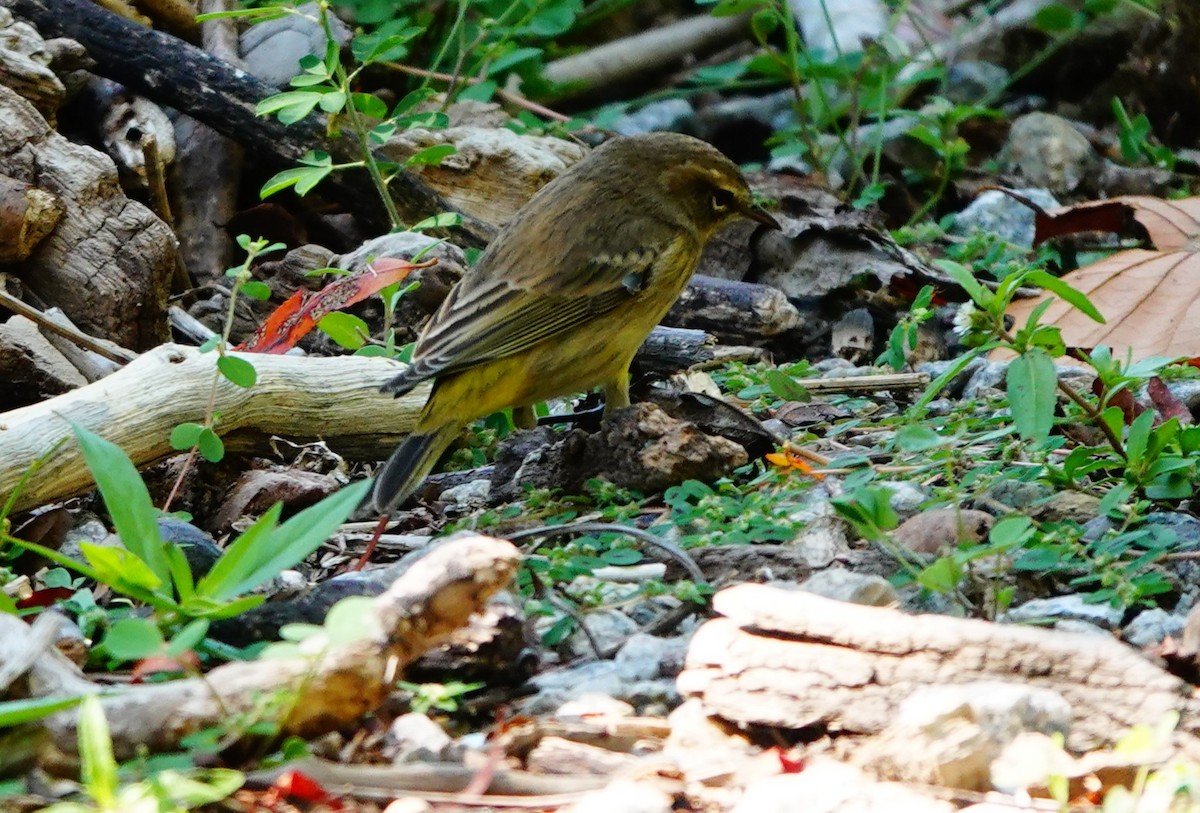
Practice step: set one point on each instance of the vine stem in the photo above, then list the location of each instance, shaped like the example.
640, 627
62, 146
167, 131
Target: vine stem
360, 129
506, 95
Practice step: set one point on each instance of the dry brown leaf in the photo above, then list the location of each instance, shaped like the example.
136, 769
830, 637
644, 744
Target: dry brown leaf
1150, 298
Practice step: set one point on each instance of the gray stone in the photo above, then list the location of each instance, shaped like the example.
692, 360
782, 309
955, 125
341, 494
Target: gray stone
951, 734
972, 81
1073, 607
987, 381
955, 387
1151, 627
857, 588
1000, 214
675, 115
415, 738
1047, 151
472, 494
826, 786
644, 657
272, 49
907, 498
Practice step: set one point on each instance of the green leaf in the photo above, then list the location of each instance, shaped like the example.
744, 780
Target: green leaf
554, 17
16, 712
915, 437
1171, 486
442, 220
965, 279
1010, 531
431, 156
784, 386
302, 178
99, 768
512, 59
263, 551
185, 435
943, 576
332, 102
121, 570
1055, 18
133, 514
479, 92
238, 371
262, 14
256, 290
348, 330
188, 638
369, 105
412, 99
352, 619
290, 106
210, 446
1032, 393
1139, 436
132, 639
1065, 292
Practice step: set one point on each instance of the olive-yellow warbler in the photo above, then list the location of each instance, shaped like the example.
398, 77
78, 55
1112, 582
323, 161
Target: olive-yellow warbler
568, 291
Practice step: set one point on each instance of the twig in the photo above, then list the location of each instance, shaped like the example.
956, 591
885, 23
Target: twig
507, 95
115, 354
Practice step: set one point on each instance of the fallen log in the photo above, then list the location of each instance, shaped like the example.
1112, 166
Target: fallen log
171, 72
336, 400
319, 693
794, 659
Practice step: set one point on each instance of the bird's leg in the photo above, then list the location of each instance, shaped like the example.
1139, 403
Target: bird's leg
616, 392
524, 417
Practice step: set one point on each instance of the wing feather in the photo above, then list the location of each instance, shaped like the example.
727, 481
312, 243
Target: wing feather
493, 320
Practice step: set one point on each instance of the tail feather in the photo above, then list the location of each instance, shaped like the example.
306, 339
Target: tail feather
408, 465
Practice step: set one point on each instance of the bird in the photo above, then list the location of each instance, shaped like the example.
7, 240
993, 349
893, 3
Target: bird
566, 292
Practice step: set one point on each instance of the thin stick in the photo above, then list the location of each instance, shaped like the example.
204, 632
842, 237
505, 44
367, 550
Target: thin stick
119, 355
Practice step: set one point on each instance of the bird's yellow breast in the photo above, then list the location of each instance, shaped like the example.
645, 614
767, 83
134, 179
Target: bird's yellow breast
592, 354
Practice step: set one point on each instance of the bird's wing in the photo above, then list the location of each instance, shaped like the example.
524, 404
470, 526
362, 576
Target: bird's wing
489, 316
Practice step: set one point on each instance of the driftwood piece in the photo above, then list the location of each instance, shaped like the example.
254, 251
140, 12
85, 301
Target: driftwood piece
31, 368
316, 694
109, 261
494, 171
25, 66
734, 312
333, 399
641, 53
172, 73
92, 365
795, 659
437, 782
27, 215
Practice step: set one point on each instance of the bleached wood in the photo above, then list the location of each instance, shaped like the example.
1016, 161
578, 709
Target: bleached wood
794, 659
322, 692
335, 399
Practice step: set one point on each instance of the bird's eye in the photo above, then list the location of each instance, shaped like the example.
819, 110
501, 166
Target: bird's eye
722, 199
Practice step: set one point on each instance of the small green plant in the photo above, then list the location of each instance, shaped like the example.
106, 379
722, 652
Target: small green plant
1134, 137
167, 791
443, 697
905, 335
202, 437
153, 572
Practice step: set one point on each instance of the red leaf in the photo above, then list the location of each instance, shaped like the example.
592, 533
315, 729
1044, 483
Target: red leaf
288, 323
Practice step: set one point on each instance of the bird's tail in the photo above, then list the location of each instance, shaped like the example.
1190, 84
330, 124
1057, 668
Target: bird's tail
408, 465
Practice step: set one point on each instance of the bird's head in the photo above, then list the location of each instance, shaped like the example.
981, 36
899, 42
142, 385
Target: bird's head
709, 188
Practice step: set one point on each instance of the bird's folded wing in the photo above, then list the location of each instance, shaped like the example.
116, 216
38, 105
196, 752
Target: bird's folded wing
496, 319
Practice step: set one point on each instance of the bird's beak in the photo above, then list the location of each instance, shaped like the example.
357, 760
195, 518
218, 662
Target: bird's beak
760, 215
